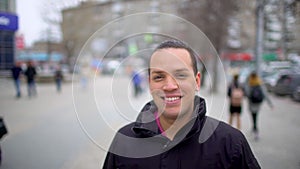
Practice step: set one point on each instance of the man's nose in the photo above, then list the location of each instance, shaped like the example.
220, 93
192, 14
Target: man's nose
170, 84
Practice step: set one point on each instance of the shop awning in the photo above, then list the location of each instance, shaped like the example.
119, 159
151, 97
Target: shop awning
238, 56
270, 57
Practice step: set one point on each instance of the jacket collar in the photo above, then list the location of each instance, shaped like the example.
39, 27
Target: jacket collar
145, 125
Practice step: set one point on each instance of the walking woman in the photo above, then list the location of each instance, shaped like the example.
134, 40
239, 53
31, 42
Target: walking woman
256, 95
235, 93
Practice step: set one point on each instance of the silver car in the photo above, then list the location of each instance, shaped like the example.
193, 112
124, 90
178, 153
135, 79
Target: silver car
286, 84
296, 94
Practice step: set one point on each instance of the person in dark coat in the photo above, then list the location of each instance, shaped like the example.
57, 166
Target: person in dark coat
172, 130
58, 77
137, 83
256, 95
30, 74
16, 72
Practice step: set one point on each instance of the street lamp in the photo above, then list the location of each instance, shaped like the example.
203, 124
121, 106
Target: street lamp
260, 4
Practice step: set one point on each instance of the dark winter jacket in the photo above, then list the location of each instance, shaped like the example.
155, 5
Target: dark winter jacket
30, 73
16, 71
203, 143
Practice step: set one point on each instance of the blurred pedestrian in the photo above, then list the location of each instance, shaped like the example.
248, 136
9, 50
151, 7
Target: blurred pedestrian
172, 130
3, 131
16, 73
84, 75
236, 93
30, 74
256, 94
58, 77
137, 83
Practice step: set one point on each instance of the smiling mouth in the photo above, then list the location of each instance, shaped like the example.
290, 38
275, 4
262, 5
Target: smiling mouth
171, 99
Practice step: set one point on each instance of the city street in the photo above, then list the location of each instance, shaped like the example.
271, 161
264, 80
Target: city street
72, 129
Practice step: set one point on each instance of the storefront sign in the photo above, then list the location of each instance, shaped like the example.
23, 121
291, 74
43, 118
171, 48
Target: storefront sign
8, 21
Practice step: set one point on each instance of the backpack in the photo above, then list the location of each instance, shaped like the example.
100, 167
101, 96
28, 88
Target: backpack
256, 94
236, 96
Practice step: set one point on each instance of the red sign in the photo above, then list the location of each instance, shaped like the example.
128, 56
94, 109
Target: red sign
20, 42
238, 56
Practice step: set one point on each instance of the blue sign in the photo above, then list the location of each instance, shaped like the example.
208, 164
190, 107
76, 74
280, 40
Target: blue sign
8, 21
39, 56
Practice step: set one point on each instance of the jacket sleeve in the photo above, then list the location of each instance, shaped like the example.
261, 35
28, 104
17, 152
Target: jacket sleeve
109, 162
243, 157
266, 96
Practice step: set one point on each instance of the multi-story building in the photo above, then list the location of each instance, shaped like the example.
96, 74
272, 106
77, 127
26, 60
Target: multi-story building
296, 44
91, 17
241, 34
281, 27
81, 22
8, 27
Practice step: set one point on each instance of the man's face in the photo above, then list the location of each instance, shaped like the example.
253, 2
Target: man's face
172, 82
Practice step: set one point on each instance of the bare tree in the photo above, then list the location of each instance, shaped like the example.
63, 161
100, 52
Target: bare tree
212, 17
70, 47
52, 15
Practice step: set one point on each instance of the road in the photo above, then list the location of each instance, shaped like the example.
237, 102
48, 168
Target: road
72, 129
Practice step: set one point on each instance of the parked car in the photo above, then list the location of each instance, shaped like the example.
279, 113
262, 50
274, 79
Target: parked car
244, 74
296, 93
270, 78
286, 84
270, 81
110, 66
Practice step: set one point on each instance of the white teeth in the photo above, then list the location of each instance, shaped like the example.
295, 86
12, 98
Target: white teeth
171, 98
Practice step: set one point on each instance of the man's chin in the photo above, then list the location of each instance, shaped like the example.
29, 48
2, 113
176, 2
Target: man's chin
171, 114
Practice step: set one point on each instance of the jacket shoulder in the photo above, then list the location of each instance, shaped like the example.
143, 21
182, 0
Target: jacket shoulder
234, 144
220, 129
226, 130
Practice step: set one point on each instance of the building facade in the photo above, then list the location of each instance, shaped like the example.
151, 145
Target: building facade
81, 22
8, 27
296, 43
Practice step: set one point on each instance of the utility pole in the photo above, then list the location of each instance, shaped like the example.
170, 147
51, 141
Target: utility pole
260, 4
49, 50
284, 30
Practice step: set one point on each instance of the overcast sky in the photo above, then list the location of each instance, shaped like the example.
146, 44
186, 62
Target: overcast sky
31, 24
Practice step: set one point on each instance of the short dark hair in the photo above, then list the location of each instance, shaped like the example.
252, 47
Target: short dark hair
178, 45
236, 77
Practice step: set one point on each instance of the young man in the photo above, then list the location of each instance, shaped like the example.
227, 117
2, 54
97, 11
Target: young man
30, 74
16, 72
172, 131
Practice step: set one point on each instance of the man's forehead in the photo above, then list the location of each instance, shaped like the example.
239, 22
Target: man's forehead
171, 55
160, 70
172, 51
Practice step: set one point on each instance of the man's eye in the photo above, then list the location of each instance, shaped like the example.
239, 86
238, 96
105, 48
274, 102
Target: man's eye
157, 77
181, 76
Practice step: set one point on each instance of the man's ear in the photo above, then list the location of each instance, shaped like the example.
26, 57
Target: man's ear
198, 81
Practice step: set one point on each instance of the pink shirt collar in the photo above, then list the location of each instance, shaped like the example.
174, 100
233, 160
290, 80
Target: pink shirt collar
158, 124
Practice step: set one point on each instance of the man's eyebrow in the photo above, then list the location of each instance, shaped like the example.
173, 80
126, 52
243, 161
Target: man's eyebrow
157, 71
182, 70
178, 70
